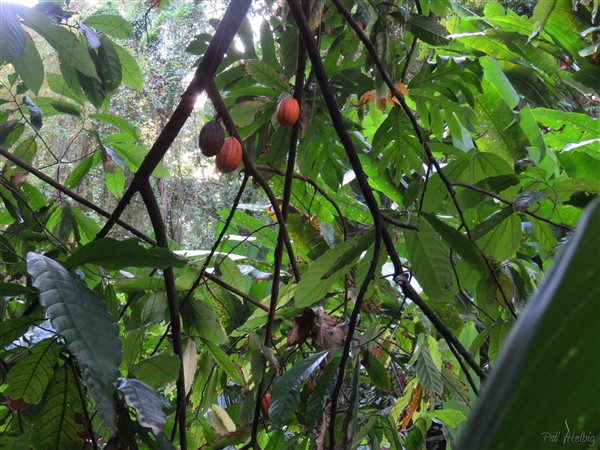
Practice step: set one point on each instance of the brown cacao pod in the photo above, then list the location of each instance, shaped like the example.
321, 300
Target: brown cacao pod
230, 156
211, 138
288, 111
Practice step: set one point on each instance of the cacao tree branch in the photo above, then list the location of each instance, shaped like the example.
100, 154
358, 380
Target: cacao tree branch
173, 303
218, 46
69, 193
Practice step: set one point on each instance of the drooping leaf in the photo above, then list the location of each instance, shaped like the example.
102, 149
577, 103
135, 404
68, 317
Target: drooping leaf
12, 36
286, 390
223, 361
147, 405
430, 262
190, 362
549, 345
525, 200
322, 391
451, 417
28, 378
220, 421
35, 114
427, 372
64, 42
130, 70
92, 38
377, 372
29, 66
114, 255
79, 315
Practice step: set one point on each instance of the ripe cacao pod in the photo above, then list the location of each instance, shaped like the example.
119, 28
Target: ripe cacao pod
288, 111
265, 403
230, 156
211, 138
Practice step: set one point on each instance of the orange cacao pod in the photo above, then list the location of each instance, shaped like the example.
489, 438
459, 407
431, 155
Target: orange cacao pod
288, 111
266, 402
211, 138
230, 156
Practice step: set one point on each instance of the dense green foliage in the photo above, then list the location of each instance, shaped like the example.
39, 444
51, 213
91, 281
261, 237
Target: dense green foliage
360, 285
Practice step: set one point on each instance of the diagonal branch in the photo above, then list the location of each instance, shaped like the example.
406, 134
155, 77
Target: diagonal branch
69, 193
219, 44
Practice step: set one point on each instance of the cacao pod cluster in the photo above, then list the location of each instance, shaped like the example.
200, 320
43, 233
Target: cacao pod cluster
228, 151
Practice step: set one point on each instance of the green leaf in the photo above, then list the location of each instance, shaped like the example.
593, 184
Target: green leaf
29, 66
525, 200
327, 270
541, 13
109, 23
377, 372
267, 45
131, 73
427, 372
109, 65
265, 74
115, 182
157, 370
428, 30
82, 169
14, 328
55, 426
286, 390
63, 41
451, 417
500, 234
79, 315
223, 361
117, 122
114, 255
146, 403
549, 346
322, 390
13, 290
12, 36
26, 150
28, 378
430, 262
458, 242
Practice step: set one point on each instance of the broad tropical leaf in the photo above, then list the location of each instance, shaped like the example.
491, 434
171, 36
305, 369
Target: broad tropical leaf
143, 399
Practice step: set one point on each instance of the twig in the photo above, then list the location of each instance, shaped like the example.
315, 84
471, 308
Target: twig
218, 46
235, 291
78, 198
508, 202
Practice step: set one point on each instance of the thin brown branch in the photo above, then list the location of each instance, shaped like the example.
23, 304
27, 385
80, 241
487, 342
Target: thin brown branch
508, 202
235, 291
173, 304
69, 193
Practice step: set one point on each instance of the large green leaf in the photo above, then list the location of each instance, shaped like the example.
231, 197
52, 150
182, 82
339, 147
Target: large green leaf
541, 13
428, 30
28, 378
553, 343
113, 255
157, 370
80, 316
329, 269
430, 262
12, 36
29, 66
55, 426
64, 42
131, 73
286, 390
146, 403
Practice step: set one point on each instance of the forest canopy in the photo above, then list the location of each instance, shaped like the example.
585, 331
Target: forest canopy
299, 224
